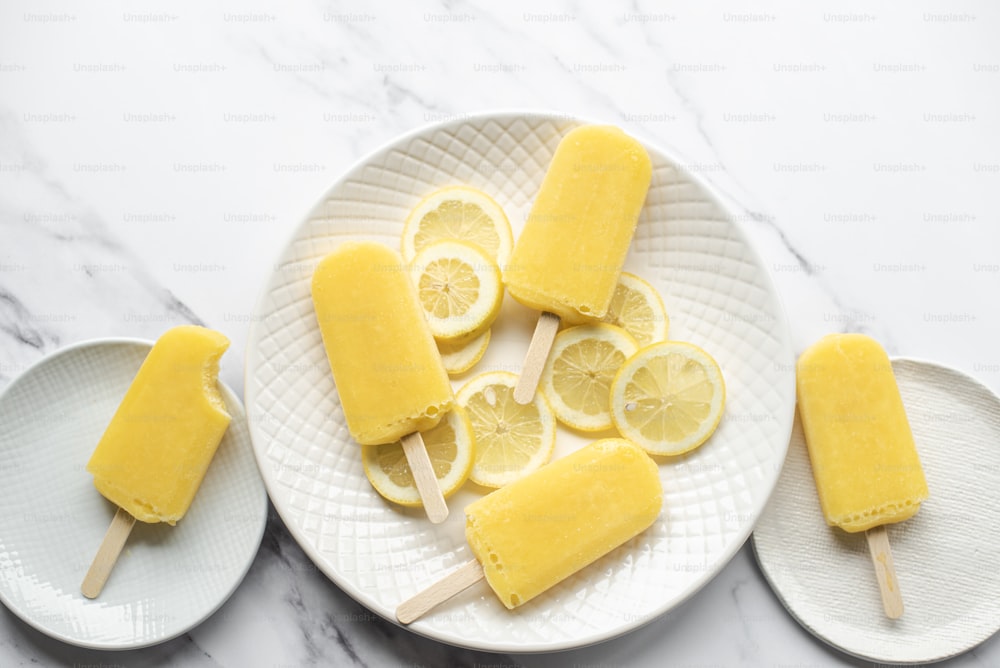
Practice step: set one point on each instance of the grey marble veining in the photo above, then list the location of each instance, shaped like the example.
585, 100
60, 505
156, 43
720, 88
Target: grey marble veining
155, 158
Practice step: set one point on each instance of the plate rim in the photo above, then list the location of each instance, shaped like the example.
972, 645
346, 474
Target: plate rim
75, 348
777, 591
672, 156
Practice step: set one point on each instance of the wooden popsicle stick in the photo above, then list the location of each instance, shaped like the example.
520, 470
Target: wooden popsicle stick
534, 360
423, 476
885, 571
107, 554
455, 582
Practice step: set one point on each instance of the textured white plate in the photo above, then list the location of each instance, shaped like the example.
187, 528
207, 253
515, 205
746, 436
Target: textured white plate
718, 295
946, 557
52, 520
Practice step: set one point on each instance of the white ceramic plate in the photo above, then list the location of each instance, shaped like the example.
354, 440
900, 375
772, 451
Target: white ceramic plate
946, 556
52, 520
718, 295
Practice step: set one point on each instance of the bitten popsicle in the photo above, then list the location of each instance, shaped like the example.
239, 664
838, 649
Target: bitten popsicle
536, 532
864, 460
567, 260
387, 368
155, 452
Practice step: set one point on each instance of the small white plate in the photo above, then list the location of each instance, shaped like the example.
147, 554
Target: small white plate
52, 519
718, 295
947, 556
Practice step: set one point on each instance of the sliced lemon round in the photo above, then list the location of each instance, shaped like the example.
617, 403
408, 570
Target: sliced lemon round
577, 377
512, 439
450, 446
460, 290
459, 358
637, 308
668, 397
459, 212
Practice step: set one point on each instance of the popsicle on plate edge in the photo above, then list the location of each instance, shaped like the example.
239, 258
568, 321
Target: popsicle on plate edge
568, 257
388, 371
863, 456
533, 533
156, 450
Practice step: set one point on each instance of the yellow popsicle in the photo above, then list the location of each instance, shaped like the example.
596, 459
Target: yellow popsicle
864, 460
573, 245
386, 366
536, 532
155, 452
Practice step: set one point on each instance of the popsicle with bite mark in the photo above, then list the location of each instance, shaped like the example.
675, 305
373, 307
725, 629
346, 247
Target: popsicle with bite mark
157, 448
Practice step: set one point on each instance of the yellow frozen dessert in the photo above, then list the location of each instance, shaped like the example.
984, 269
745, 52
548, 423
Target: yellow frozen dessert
536, 532
573, 245
159, 444
863, 456
386, 366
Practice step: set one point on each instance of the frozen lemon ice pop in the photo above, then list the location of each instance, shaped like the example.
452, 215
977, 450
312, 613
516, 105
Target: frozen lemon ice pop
386, 366
863, 457
536, 532
568, 257
569, 254
384, 360
157, 448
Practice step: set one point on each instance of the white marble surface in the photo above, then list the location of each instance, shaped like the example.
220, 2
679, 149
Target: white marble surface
154, 157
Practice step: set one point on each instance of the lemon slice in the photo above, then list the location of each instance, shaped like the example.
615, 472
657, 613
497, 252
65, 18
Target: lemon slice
459, 288
450, 446
577, 377
459, 212
459, 358
637, 308
668, 397
512, 439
